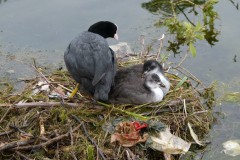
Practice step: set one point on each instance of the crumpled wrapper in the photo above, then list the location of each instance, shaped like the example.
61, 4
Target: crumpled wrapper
127, 134
168, 143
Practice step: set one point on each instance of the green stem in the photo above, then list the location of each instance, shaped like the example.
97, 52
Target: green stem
143, 118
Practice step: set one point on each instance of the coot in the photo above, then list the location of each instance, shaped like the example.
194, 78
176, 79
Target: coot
130, 74
91, 62
153, 66
142, 91
131, 84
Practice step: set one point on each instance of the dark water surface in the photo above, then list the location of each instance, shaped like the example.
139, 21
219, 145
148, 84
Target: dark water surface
41, 30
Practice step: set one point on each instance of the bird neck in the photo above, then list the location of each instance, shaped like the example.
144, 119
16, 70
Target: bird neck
166, 82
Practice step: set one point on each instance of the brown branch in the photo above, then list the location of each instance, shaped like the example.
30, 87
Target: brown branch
130, 155
57, 152
16, 144
7, 132
58, 138
23, 156
71, 135
38, 104
5, 114
88, 137
73, 156
15, 129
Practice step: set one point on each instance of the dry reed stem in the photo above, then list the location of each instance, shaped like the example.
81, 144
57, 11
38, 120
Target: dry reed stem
53, 140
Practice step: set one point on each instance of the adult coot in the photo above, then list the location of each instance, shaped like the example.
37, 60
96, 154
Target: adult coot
91, 62
140, 92
130, 83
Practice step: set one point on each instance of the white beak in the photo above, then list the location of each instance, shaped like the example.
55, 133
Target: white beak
115, 36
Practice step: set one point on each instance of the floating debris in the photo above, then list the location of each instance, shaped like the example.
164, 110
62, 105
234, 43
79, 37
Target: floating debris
232, 147
41, 86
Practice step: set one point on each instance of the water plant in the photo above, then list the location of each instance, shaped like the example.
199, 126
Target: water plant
179, 16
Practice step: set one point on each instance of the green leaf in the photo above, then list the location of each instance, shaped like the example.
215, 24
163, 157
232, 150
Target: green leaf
192, 49
135, 115
90, 152
200, 36
181, 82
187, 25
198, 26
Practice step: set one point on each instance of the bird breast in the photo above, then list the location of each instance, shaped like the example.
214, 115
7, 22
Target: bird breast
158, 94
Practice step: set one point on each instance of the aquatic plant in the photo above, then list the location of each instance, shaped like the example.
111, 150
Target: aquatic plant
178, 17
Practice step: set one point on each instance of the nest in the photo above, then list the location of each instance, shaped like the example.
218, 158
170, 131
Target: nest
35, 126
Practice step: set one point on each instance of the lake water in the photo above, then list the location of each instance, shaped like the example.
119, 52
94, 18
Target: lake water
41, 30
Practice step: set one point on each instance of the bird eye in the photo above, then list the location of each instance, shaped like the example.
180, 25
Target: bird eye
152, 67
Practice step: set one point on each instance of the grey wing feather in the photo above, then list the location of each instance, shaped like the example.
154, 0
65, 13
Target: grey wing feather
132, 92
103, 60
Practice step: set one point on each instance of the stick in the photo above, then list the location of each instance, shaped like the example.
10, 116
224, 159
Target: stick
71, 135
142, 44
16, 144
189, 75
38, 104
8, 132
47, 142
88, 137
5, 114
160, 47
23, 156
15, 129
73, 156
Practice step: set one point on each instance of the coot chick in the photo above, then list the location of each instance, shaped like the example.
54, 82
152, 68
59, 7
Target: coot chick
139, 92
91, 62
133, 73
152, 66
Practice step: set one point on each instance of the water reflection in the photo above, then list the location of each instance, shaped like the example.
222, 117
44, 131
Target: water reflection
161, 6
187, 12
3, 1
235, 4
235, 58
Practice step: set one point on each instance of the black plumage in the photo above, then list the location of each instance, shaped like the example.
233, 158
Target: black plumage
91, 62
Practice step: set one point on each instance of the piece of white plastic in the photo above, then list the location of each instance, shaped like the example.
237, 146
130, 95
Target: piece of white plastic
169, 143
232, 147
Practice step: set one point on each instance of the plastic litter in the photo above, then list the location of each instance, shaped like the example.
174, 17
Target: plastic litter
168, 143
232, 147
128, 133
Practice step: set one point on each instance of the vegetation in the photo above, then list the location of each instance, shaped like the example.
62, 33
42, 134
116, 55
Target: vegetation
185, 30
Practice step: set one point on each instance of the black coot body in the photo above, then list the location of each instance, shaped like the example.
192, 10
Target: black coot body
91, 62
